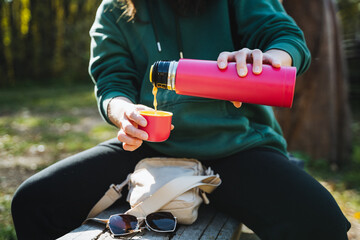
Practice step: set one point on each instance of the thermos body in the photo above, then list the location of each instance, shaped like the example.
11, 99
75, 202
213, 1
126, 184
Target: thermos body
202, 78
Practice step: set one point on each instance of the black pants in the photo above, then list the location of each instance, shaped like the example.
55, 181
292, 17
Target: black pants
260, 187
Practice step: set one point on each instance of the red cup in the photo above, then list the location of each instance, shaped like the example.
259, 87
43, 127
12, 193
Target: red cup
158, 125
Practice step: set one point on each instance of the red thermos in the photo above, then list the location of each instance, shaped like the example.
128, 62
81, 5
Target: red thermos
202, 78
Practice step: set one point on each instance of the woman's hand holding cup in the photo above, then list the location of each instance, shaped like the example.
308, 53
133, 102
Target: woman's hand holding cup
125, 115
132, 124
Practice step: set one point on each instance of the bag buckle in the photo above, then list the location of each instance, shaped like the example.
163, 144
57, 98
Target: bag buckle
115, 187
120, 186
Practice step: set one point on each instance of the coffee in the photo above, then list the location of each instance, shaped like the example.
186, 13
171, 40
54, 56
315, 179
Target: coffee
155, 113
154, 92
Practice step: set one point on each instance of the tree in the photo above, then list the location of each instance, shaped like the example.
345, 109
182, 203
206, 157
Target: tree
319, 122
42, 40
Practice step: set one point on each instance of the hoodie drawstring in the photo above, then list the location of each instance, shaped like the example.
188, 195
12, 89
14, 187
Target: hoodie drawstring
150, 9
178, 32
178, 36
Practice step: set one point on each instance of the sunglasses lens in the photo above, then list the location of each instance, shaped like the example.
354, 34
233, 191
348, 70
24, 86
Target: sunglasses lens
122, 224
161, 221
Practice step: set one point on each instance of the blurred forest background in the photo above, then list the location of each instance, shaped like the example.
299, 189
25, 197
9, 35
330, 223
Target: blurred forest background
48, 110
45, 40
48, 40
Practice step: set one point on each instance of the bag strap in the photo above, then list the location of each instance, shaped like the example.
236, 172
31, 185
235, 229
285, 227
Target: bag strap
161, 197
110, 196
173, 189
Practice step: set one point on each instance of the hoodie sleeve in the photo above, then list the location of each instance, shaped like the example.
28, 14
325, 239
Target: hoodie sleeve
111, 66
265, 25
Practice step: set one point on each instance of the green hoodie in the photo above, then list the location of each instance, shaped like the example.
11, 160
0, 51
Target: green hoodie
122, 52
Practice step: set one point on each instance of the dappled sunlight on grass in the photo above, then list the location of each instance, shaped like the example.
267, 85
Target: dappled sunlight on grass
7, 231
349, 203
50, 122
44, 98
39, 126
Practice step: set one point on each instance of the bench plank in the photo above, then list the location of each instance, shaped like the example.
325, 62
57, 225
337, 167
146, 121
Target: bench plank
196, 230
92, 230
215, 226
85, 232
209, 225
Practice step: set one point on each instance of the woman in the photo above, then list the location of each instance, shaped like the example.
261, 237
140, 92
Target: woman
243, 144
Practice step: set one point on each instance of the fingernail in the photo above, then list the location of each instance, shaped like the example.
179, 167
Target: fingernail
277, 64
257, 69
242, 72
144, 136
143, 123
222, 65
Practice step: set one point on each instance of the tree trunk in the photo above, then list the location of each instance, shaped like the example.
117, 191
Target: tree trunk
29, 63
3, 64
44, 38
319, 121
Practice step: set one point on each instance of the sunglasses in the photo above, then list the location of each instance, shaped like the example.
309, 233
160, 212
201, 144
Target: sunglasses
123, 224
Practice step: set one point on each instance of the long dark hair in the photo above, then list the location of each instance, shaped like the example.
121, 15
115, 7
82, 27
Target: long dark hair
182, 7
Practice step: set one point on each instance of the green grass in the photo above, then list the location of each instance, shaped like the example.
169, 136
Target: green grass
39, 119
46, 98
7, 231
45, 122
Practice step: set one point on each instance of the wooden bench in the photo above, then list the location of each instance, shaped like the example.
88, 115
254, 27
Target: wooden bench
209, 225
